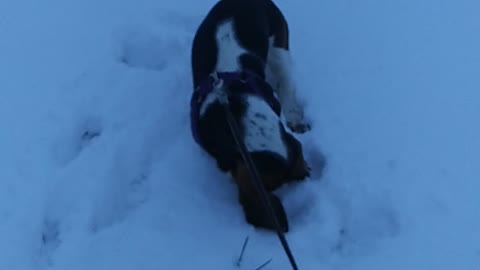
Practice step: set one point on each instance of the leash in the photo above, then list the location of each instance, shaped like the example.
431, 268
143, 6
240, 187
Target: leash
256, 179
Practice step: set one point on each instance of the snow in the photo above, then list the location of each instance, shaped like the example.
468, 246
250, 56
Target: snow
99, 170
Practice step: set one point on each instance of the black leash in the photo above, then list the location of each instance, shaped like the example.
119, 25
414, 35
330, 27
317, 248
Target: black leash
257, 181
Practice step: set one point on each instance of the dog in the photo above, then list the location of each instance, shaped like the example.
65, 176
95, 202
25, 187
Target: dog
240, 59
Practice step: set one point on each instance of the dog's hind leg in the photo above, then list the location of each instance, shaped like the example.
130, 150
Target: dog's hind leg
253, 209
299, 169
279, 63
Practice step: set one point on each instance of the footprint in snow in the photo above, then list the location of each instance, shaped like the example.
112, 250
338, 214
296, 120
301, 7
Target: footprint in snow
119, 198
50, 239
151, 50
77, 139
365, 224
143, 50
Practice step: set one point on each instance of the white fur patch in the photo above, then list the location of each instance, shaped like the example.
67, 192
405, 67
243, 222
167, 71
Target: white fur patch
229, 50
262, 130
270, 75
279, 65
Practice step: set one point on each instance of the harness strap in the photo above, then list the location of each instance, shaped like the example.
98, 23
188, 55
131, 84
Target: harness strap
206, 87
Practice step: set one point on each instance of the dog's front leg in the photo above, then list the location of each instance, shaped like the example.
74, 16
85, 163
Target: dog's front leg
280, 63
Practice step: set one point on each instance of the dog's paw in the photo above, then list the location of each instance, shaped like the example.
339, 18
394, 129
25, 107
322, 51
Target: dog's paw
295, 118
302, 172
299, 127
257, 215
306, 171
318, 161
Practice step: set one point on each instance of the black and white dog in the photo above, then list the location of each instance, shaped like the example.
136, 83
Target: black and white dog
240, 59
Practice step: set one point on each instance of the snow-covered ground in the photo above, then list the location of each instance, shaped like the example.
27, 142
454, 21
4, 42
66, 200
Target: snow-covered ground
98, 169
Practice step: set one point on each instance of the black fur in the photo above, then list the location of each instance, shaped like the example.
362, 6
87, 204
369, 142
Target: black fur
258, 216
